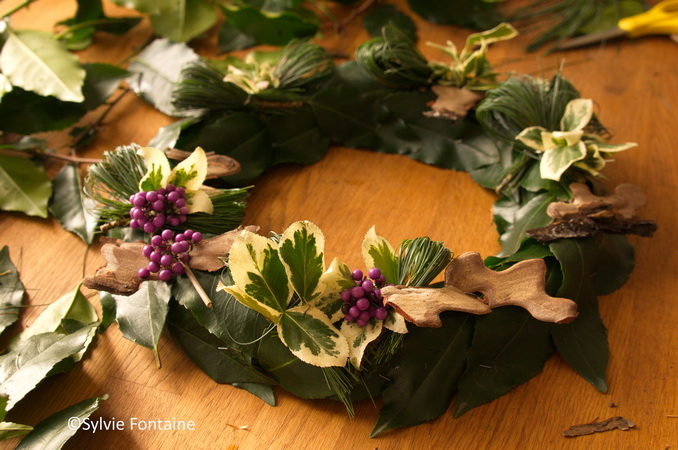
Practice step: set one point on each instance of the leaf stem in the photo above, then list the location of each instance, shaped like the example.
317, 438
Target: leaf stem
198, 287
18, 7
85, 24
30, 154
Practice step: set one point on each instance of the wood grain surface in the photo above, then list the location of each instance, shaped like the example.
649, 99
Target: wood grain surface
634, 85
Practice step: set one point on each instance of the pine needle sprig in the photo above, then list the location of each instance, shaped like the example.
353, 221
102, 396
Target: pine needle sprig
393, 59
341, 382
301, 64
202, 88
421, 260
229, 211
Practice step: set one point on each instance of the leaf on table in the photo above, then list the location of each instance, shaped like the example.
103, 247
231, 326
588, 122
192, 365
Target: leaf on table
273, 28
71, 207
229, 39
24, 186
187, 20
101, 82
424, 378
54, 431
613, 423
452, 103
34, 359
90, 18
35, 61
26, 112
383, 14
156, 70
11, 291
509, 347
9, 430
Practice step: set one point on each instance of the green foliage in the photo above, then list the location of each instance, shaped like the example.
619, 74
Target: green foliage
381, 15
88, 19
9, 430
11, 291
187, 20
421, 260
475, 14
71, 207
24, 186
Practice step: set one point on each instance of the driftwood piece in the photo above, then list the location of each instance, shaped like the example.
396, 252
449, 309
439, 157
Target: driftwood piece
124, 259
588, 214
452, 103
613, 423
217, 165
521, 285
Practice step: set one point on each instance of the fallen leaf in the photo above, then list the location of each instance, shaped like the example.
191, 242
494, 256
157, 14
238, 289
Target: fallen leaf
452, 103
598, 427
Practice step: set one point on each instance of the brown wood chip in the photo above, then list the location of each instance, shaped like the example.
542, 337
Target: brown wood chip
613, 423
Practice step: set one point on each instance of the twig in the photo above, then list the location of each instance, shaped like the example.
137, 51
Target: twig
17, 8
355, 14
198, 287
30, 154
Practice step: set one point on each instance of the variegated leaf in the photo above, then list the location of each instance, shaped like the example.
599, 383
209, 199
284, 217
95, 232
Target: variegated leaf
266, 311
199, 201
377, 252
301, 249
312, 338
501, 32
191, 172
556, 161
613, 148
532, 137
332, 282
259, 272
359, 338
395, 322
158, 169
578, 113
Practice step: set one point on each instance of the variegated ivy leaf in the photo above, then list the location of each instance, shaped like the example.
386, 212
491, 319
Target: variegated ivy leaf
555, 161
191, 172
258, 272
578, 113
359, 338
312, 338
532, 137
158, 169
301, 249
333, 281
395, 322
271, 314
501, 32
378, 252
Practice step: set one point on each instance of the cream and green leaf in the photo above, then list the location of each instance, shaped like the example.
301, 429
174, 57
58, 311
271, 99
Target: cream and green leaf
571, 145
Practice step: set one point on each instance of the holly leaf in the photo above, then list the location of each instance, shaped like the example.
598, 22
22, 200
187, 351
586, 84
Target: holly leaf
187, 20
141, 316
57, 429
301, 249
76, 212
24, 367
359, 338
26, 112
23, 186
11, 291
378, 252
383, 14
425, 373
156, 70
35, 61
509, 347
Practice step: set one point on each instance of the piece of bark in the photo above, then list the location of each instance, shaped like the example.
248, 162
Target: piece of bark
613, 423
452, 103
217, 165
124, 259
521, 285
623, 204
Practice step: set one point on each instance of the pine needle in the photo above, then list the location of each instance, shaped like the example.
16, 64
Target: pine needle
421, 260
340, 381
202, 88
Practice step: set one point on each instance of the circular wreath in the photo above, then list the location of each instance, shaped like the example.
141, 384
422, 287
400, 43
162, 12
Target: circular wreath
272, 311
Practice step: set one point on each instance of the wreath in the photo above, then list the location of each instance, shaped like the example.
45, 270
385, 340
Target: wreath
261, 311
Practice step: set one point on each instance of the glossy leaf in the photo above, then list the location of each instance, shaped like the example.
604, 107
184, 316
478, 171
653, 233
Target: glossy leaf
26, 112
9, 429
148, 6
156, 70
614, 261
381, 15
530, 215
24, 367
101, 82
272, 28
476, 14
33, 60
333, 281
107, 310
24, 186
54, 431
301, 249
168, 135
141, 316
11, 291
187, 20
76, 212
359, 338
312, 338
424, 375
295, 137
509, 347
231, 39
378, 252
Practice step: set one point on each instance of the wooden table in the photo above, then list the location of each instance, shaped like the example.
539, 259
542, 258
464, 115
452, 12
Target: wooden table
634, 85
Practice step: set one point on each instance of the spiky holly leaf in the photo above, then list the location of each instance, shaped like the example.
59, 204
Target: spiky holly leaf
301, 249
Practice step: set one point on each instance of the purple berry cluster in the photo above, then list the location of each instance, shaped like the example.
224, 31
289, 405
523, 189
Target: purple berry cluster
168, 253
151, 210
364, 301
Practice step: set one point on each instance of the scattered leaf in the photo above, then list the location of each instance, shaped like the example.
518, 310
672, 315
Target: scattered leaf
76, 212
11, 291
23, 186
26, 112
274, 28
613, 423
383, 14
185, 21
9, 430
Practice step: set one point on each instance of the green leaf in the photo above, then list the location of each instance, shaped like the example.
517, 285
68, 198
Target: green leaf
90, 18
141, 316
148, 6
26, 366
272, 28
25, 112
9, 430
509, 347
312, 338
73, 210
425, 373
156, 70
101, 82
35, 61
23, 186
336, 279
555, 161
359, 338
263, 391
378, 252
230, 39
614, 261
381, 15
301, 249
54, 431
107, 310
295, 137
476, 14
168, 135
188, 19
11, 291
582, 343
531, 215
578, 113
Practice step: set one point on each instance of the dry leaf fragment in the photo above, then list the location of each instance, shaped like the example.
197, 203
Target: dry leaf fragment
521, 285
598, 427
452, 103
124, 259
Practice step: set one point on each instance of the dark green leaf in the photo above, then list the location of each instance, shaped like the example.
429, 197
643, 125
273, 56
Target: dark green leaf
23, 186
272, 28
89, 18
11, 291
530, 249
509, 347
295, 137
168, 135
263, 391
141, 316
54, 431
148, 6
25, 112
187, 20
424, 379
582, 343
381, 15
230, 39
107, 310
614, 261
73, 210
26, 366
477, 14
101, 82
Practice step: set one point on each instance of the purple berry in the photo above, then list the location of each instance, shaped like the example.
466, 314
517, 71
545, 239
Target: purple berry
165, 275
185, 246
354, 311
167, 234
144, 273
197, 237
155, 257
183, 257
134, 223
180, 203
182, 219
166, 260
156, 240
177, 247
151, 196
158, 206
153, 267
174, 221
362, 304
377, 293
380, 313
179, 237
361, 323
357, 274
381, 281
368, 285
345, 308
364, 316
148, 249
158, 221
181, 191
183, 210
170, 187
138, 200
188, 234
357, 292
348, 318
178, 268
173, 197
136, 213
161, 191
374, 273
149, 227
346, 295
